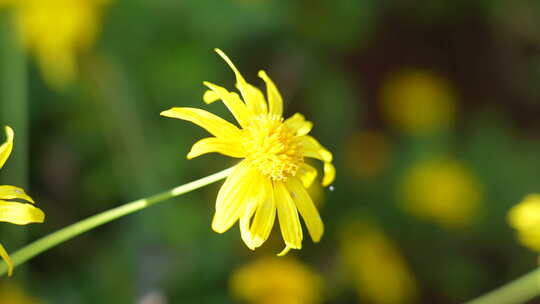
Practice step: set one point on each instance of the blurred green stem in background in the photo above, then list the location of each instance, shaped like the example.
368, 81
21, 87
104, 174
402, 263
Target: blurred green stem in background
14, 105
518, 291
64, 234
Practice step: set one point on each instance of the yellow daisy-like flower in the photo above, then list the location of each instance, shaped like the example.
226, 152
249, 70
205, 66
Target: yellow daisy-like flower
55, 31
272, 177
11, 209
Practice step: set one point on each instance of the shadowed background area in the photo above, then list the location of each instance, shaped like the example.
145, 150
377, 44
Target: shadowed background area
430, 108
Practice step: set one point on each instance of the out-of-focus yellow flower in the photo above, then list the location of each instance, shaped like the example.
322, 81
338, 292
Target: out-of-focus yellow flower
442, 190
367, 153
525, 218
13, 294
55, 31
11, 209
379, 271
272, 175
418, 102
276, 281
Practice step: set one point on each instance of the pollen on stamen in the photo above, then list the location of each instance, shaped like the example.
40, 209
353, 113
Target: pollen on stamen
270, 147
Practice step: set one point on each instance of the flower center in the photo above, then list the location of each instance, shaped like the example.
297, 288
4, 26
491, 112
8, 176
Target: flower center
271, 148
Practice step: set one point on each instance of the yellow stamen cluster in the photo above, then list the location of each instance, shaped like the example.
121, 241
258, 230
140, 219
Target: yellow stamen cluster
270, 147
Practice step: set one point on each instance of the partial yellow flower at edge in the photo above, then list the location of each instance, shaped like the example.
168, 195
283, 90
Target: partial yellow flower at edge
55, 31
272, 177
272, 280
379, 271
525, 218
12, 211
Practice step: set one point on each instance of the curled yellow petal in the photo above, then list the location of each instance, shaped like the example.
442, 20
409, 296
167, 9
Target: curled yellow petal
6, 147
231, 100
275, 101
11, 192
245, 220
5, 256
288, 217
218, 145
264, 218
307, 208
252, 96
329, 174
298, 124
20, 213
312, 148
214, 124
306, 174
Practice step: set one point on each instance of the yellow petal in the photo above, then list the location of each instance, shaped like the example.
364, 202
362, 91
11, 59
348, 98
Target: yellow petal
11, 192
20, 213
210, 96
275, 101
310, 147
307, 174
5, 148
231, 100
245, 220
206, 120
218, 145
288, 217
329, 174
252, 96
264, 218
232, 196
4, 255
298, 124
307, 208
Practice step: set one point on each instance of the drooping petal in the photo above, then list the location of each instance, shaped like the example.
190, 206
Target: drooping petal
289, 222
6, 147
245, 219
11, 192
329, 174
306, 174
264, 218
307, 208
214, 124
231, 100
4, 255
218, 145
312, 148
298, 124
275, 101
252, 96
20, 213
232, 197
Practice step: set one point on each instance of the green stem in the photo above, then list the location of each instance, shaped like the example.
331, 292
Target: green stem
520, 290
64, 234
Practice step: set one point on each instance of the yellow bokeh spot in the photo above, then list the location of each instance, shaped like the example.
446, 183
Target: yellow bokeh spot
55, 31
379, 271
442, 190
418, 102
525, 218
273, 280
11, 293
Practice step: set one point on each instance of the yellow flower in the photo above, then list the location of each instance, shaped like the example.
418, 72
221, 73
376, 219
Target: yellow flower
525, 218
418, 102
11, 210
276, 281
441, 190
272, 175
376, 266
55, 31
13, 294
